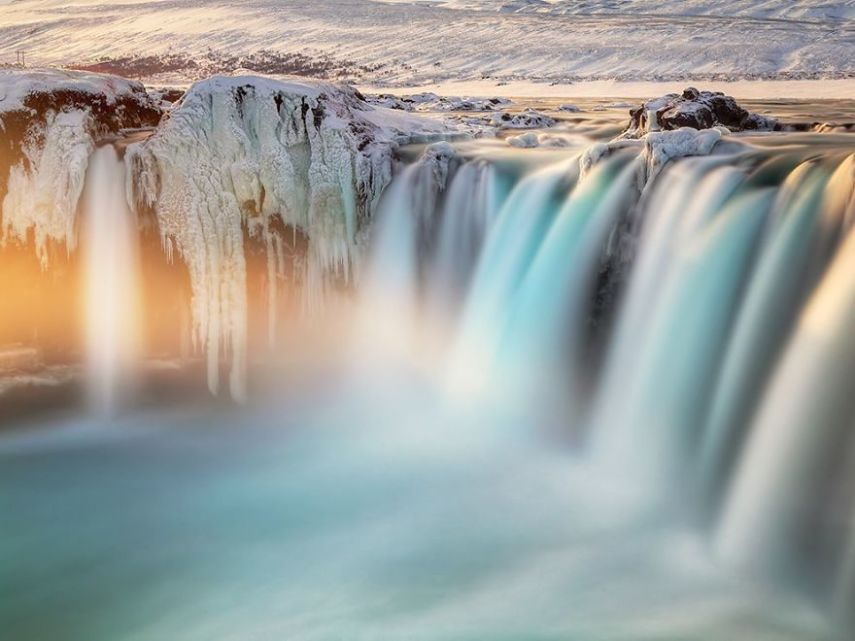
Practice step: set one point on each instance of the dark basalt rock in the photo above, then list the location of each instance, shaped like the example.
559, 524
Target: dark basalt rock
696, 109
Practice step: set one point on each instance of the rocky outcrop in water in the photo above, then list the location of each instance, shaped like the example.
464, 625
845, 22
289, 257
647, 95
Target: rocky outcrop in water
696, 109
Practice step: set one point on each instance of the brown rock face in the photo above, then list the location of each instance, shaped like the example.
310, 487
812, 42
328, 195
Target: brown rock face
696, 109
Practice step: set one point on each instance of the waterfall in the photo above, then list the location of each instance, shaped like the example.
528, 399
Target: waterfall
111, 280
799, 439
577, 393
726, 357
508, 250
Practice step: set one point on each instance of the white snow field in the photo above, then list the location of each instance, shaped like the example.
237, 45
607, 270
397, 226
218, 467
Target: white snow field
429, 42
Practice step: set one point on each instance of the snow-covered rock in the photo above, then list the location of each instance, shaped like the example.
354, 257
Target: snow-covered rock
662, 146
656, 149
471, 104
237, 152
528, 119
433, 102
391, 101
51, 121
166, 96
527, 140
440, 157
531, 139
569, 108
696, 109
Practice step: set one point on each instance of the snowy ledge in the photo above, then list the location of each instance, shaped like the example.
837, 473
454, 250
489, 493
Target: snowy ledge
50, 122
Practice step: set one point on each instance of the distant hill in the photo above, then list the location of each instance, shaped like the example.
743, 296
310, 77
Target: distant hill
426, 41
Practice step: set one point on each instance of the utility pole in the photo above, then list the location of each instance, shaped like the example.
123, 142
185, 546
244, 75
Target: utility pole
20, 58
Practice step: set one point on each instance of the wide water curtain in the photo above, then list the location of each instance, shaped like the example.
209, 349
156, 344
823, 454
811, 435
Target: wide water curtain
689, 322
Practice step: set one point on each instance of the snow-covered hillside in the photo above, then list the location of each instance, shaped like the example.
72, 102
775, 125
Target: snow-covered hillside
760, 9
411, 43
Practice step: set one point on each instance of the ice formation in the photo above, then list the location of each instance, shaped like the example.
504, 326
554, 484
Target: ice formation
235, 153
51, 121
527, 140
662, 146
43, 188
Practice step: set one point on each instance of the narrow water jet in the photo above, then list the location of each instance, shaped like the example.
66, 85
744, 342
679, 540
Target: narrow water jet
110, 244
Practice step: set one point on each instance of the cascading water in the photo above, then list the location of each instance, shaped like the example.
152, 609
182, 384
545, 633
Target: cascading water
683, 327
110, 244
725, 365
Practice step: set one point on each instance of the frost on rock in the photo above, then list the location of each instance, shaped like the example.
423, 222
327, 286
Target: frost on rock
440, 159
50, 121
696, 109
236, 152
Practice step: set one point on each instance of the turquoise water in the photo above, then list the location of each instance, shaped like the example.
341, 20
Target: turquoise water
382, 516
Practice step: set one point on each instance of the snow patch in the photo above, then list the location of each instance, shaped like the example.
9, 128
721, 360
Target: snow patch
663, 146
530, 140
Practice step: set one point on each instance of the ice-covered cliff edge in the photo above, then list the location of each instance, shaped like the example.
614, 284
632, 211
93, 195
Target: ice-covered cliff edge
50, 121
243, 156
